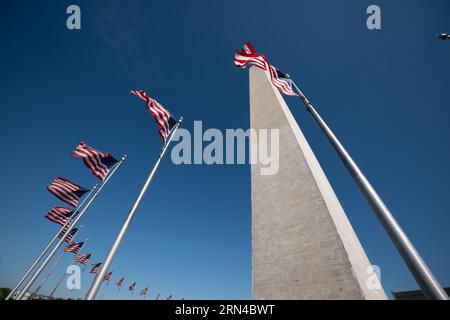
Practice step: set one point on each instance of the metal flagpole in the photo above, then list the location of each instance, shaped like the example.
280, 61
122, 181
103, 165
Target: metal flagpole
57, 284
427, 282
79, 216
106, 264
47, 248
56, 263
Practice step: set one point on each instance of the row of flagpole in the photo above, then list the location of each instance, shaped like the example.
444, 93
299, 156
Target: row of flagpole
66, 229
118, 284
168, 126
47, 275
93, 290
44, 252
70, 227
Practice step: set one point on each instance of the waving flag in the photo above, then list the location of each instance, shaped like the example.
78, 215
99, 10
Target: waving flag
119, 282
74, 247
59, 215
108, 276
169, 297
162, 117
131, 288
157, 296
95, 267
97, 162
66, 191
143, 292
69, 237
83, 258
282, 81
248, 55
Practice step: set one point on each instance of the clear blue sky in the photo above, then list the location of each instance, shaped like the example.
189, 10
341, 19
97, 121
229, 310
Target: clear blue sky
384, 92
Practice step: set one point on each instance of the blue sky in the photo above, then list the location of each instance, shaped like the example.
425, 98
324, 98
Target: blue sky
384, 93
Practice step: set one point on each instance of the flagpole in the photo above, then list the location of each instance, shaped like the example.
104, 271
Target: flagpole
27, 273
427, 282
105, 266
57, 284
79, 216
55, 264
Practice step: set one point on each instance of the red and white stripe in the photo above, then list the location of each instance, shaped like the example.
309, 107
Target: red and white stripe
248, 55
59, 215
65, 190
119, 282
280, 84
92, 158
108, 276
95, 267
83, 259
158, 112
74, 247
70, 236
143, 292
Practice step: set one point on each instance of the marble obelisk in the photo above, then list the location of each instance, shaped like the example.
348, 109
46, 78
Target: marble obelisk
303, 245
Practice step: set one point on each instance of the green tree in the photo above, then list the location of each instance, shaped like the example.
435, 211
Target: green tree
4, 293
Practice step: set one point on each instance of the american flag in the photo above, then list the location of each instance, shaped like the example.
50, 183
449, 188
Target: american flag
119, 282
163, 118
131, 288
97, 162
108, 276
169, 297
74, 247
66, 191
95, 267
143, 292
248, 55
69, 237
59, 215
83, 258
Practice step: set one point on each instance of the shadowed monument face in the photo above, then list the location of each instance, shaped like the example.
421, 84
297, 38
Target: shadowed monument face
303, 245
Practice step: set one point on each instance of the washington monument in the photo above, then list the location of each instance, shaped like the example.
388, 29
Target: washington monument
303, 244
